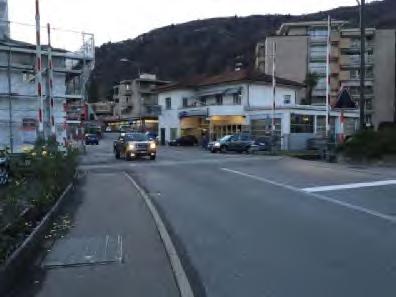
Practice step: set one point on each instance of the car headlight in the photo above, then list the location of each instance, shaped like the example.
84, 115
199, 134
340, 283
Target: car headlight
153, 145
131, 146
217, 144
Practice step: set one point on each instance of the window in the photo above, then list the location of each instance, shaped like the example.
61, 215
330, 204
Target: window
185, 102
301, 123
127, 99
219, 99
237, 99
168, 103
203, 101
127, 87
286, 99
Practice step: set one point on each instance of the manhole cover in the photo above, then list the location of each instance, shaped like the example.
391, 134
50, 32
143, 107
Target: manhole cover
85, 251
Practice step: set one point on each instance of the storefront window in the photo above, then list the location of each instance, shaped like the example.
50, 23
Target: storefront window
302, 123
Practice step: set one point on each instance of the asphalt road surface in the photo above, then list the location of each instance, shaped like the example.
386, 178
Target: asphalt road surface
271, 226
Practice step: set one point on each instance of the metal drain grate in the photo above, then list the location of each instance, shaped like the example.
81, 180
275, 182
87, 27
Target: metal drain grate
85, 251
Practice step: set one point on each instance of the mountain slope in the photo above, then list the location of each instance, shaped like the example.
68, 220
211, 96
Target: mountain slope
208, 46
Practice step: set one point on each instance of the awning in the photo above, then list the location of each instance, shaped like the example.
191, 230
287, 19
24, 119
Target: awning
228, 91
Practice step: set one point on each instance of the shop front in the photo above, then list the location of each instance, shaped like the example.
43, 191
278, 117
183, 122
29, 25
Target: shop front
194, 122
221, 126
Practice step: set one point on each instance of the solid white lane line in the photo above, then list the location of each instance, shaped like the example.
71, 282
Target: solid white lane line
350, 186
182, 280
317, 196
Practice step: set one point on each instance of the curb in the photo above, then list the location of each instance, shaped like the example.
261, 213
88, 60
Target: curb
21, 257
177, 267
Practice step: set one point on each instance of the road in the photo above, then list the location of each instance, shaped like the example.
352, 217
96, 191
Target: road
265, 226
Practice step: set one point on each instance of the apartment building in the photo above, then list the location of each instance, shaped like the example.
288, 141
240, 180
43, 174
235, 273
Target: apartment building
301, 48
136, 102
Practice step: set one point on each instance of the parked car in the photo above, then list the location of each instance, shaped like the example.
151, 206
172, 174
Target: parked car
239, 143
91, 139
134, 145
108, 129
188, 140
4, 166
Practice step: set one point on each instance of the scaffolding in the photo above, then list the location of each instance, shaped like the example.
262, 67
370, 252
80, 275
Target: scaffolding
64, 59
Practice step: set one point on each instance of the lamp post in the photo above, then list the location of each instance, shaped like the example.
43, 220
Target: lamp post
362, 4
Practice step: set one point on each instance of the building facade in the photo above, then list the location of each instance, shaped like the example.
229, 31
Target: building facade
136, 102
4, 24
19, 102
301, 48
242, 101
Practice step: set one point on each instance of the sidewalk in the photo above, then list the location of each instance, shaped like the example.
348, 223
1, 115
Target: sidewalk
113, 250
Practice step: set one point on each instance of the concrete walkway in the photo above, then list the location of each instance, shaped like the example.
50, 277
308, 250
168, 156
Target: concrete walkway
110, 210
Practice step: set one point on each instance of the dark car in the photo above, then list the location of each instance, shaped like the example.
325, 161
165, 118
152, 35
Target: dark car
91, 139
134, 145
4, 166
188, 140
238, 143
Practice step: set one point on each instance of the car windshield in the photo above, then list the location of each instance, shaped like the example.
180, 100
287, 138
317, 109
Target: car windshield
136, 137
225, 138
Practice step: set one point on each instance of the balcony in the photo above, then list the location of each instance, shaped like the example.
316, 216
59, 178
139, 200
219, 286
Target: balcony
354, 60
151, 110
318, 39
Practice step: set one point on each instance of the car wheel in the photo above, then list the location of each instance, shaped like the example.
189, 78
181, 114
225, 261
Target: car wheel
152, 158
223, 149
213, 151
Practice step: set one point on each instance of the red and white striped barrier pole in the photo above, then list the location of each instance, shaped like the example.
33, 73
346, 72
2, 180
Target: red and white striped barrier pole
39, 77
51, 83
342, 127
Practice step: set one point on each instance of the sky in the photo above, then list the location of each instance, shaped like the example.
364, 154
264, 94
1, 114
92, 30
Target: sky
118, 20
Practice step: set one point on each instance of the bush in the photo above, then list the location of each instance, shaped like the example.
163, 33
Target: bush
36, 189
370, 144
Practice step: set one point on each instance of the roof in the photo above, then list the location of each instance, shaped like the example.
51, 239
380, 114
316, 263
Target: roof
285, 26
228, 77
23, 44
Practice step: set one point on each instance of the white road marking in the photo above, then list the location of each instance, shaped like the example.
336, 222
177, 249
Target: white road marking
350, 186
357, 208
180, 275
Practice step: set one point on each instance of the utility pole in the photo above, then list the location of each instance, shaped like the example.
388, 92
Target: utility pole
328, 77
273, 90
362, 64
10, 101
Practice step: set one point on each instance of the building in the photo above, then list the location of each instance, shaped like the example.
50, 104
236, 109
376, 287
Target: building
103, 108
4, 24
301, 48
136, 102
19, 101
241, 101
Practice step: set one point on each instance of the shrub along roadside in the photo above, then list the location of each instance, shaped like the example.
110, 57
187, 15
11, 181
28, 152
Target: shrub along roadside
370, 145
33, 192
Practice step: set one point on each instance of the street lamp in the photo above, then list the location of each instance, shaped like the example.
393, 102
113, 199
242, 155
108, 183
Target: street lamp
362, 4
136, 64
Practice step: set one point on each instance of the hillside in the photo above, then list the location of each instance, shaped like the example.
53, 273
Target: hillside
208, 46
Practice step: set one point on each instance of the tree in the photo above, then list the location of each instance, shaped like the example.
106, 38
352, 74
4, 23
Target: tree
311, 81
